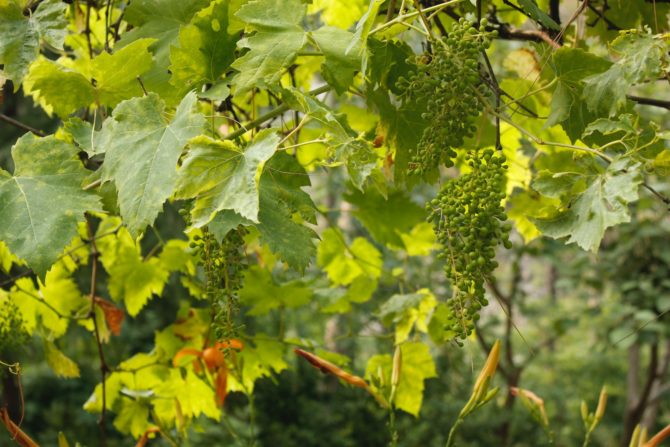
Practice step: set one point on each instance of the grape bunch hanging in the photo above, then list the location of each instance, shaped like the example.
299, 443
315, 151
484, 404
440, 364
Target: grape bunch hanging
224, 266
469, 222
450, 87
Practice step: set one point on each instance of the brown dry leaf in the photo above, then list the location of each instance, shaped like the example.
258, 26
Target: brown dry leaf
113, 315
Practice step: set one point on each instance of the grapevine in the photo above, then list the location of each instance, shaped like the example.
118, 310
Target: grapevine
449, 84
470, 223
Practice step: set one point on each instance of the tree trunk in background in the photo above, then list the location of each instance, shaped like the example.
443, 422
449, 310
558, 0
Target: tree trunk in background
637, 397
632, 392
11, 395
659, 387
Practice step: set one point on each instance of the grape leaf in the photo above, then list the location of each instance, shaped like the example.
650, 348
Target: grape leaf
338, 13
274, 46
417, 366
363, 28
257, 360
194, 395
115, 75
262, 293
61, 364
132, 417
339, 67
57, 88
344, 145
340, 300
282, 206
132, 279
64, 86
21, 35
381, 218
344, 263
408, 311
142, 150
222, 177
50, 303
42, 202
402, 125
205, 48
161, 20
640, 58
387, 62
602, 204
567, 106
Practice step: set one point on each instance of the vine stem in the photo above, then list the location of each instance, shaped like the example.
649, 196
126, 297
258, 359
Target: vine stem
401, 17
253, 124
392, 428
103, 365
20, 125
452, 433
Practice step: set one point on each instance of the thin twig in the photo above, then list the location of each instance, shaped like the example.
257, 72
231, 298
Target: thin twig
271, 114
20, 125
650, 101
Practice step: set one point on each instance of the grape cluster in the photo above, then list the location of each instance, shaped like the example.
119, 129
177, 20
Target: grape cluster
450, 86
224, 264
469, 222
12, 331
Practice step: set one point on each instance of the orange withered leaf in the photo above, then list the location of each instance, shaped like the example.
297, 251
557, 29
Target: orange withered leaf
328, 368
660, 436
113, 315
233, 343
183, 353
18, 435
145, 436
221, 386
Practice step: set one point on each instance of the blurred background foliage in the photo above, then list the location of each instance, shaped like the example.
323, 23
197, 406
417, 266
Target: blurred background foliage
569, 321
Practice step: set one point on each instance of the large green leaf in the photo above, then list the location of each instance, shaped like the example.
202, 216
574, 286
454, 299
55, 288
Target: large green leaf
381, 218
57, 88
340, 67
640, 58
48, 305
408, 311
64, 86
602, 204
567, 106
274, 46
205, 49
344, 145
160, 20
141, 154
132, 279
260, 359
344, 263
132, 417
21, 34
417, 366
262, 293
62, 365
283, 207
402, 126
42, 202
222, 177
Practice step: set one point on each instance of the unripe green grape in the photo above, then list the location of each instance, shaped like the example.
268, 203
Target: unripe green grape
470, 223
447, 84
13, 334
